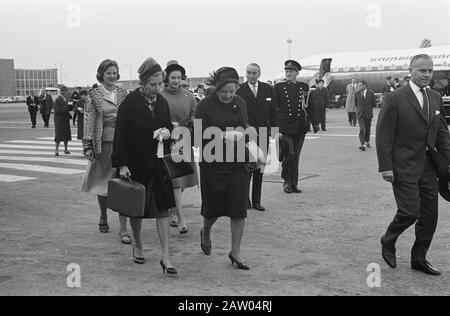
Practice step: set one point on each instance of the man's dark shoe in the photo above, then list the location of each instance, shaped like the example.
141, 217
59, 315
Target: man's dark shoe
259, 207
249, 205
296, 190
425, 267
287, 188
362, 148
388, 254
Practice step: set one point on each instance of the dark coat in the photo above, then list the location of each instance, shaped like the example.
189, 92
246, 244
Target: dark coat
33, 103
364, 106
321, 98
62, 120
404, 133
46, 102
292, 117
135, 147
260, 109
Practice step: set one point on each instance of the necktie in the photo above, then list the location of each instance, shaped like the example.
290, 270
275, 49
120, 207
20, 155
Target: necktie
426, 104
254, 90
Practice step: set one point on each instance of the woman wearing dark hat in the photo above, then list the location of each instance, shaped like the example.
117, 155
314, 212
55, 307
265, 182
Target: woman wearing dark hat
224, 185
142, 136
182, 106
100, 113
62, 121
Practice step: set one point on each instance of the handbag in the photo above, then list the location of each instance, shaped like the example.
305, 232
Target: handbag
253, 150
126, 197
173, 169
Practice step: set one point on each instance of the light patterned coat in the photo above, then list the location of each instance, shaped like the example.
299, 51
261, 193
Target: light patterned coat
93, 118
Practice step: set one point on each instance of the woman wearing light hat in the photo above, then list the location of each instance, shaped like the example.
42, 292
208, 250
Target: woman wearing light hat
224, 185
143, 123
182, 106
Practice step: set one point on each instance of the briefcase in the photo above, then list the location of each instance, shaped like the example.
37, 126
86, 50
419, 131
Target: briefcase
126, 197
174, 169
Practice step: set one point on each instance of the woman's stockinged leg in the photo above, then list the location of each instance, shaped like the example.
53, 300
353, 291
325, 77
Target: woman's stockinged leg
103, 209
207, 225
179, 208
136, 225
123, 225
162, 226
237, 231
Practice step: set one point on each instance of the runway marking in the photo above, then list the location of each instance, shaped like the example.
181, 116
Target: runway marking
35, 147
40, 159
52, 138
11, 179
25, 152
34, 168
39, 142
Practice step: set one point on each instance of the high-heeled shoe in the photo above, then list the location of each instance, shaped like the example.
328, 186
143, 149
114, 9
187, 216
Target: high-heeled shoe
137, 260
206, 249
239, 264
183, 230
169, 270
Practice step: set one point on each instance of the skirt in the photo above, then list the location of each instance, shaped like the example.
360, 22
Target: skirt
187, 181
224, 194
99, 172
62, 128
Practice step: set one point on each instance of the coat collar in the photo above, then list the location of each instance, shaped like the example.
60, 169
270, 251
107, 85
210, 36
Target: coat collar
141, 107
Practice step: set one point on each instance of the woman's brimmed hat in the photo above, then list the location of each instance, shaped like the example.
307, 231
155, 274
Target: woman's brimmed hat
223, 76
148, 68
173, 65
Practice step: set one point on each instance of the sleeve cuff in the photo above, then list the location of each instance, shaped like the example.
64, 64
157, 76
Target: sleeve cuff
119, 160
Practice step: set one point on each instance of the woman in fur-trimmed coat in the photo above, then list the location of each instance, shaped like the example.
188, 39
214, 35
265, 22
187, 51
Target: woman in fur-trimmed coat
100, 115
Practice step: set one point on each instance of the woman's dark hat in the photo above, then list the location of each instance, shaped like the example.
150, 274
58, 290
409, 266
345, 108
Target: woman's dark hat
148, 68
225, 75
173, 65
293, 65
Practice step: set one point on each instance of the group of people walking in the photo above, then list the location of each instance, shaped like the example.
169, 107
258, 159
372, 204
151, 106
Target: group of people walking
123, 131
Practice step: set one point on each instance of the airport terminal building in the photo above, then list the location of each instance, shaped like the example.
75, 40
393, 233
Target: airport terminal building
20, 82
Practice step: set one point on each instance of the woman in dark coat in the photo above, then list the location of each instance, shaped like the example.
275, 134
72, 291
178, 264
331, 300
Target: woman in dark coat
143, 115
224, 185
62, 121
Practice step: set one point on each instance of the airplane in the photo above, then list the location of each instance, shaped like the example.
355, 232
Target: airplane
338, 69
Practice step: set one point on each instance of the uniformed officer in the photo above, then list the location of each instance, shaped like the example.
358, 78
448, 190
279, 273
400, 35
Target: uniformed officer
290, 98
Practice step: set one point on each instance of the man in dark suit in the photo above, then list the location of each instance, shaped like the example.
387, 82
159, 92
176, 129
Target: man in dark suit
290, 105
365, 101
411, 121
261, 114
33, 107
46, 103
321, 99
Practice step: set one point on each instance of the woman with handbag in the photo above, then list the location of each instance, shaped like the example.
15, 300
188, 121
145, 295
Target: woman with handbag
224, 185
100, 113
182, 106
142, 136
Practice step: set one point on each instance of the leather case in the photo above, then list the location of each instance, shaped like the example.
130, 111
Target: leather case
126, 197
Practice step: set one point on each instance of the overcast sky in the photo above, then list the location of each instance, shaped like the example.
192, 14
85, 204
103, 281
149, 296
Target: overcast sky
206, 34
